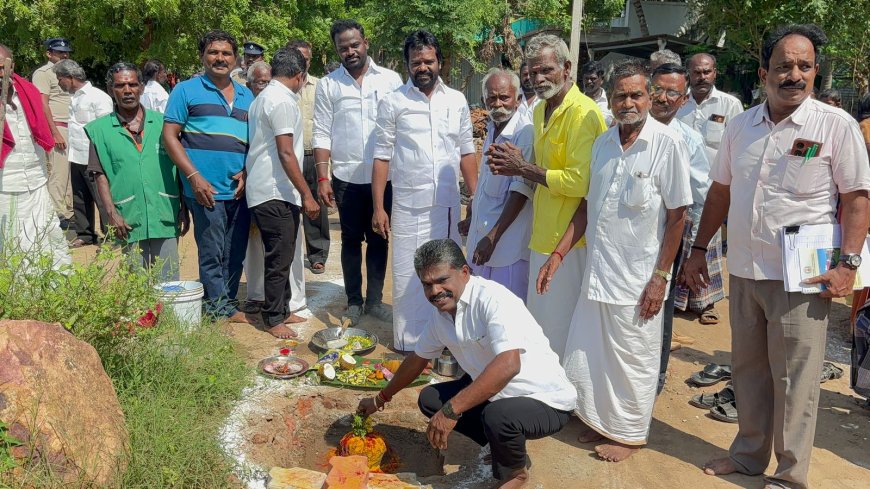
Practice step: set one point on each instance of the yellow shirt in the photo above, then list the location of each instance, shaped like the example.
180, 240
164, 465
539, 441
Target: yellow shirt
564, 149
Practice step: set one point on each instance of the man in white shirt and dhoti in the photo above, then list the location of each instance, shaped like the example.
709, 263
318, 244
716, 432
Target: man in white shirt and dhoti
636, 209
669, 93
424, 140
500, 222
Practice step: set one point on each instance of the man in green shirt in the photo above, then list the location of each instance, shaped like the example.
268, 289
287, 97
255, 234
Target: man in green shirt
136, 181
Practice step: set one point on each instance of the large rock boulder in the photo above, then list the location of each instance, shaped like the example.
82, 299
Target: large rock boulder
56, 397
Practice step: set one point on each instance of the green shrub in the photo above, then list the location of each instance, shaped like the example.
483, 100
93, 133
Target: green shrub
97, 301
176, 386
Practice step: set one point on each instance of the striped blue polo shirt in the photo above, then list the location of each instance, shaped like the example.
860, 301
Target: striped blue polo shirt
214, 133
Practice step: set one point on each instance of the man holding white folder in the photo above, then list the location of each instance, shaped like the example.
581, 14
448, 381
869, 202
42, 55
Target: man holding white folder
787, 162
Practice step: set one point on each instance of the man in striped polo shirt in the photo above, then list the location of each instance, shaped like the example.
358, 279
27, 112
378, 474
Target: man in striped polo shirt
206, 134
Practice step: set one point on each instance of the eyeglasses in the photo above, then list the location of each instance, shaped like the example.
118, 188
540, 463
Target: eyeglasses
671, 94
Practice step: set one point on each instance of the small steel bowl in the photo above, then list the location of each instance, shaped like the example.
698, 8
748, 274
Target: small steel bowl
320, 338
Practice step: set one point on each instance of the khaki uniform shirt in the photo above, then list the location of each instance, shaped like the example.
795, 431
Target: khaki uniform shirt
306, 103
58, 100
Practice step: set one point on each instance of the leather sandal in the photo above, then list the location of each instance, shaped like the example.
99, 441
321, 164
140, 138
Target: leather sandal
711, 400
726, 412
712, 374
830, 372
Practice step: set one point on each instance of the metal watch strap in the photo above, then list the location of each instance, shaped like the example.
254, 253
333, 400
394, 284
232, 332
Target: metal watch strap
663, 274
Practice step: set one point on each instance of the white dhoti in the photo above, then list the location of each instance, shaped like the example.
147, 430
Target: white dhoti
613, 360
410, 229
255, 267
29, 224
554, 309
515, 277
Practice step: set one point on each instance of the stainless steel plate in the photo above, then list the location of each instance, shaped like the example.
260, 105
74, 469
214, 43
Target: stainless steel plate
297, 367
321, 338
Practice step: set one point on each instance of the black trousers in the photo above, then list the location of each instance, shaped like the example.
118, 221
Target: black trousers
85, 198
355, 210
505, 424
668, 322
278, 222
316, 230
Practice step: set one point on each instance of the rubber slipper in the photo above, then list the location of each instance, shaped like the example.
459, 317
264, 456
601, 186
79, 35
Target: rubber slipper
710, 316
318, 268
711, 374
726, 412
830, 372
711, 400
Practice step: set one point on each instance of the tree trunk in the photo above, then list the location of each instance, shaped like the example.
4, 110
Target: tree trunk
827, 69
446, 68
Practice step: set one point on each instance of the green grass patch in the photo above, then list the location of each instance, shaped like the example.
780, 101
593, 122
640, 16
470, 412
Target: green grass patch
175, 386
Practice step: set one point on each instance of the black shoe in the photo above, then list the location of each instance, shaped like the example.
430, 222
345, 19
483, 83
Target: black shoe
66, 224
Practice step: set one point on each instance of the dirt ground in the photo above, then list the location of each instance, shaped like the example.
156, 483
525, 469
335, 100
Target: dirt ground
294, 423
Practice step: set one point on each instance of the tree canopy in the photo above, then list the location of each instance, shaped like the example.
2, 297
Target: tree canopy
106, 31
746, 23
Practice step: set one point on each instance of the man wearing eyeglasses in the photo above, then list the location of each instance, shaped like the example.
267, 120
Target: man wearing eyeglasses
258, 76
708, 111
669, 92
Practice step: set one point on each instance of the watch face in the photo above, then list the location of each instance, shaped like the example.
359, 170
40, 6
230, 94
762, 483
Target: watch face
854, 260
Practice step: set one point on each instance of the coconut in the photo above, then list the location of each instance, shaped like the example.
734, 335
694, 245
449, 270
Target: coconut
327, 371
347, 362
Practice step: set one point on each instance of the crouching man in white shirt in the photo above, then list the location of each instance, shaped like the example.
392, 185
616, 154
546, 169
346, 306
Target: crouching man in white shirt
514, 388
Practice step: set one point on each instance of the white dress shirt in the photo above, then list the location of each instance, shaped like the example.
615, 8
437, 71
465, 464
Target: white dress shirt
700, 117
345, 115
25, 167
604, 105
424, 139
274, 112
629, 194
492, 194
491, 320
526, 109
154, 97
699, 171
771, 189
86, 104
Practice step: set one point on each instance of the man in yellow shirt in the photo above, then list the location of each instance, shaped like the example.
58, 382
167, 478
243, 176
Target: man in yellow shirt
566, 125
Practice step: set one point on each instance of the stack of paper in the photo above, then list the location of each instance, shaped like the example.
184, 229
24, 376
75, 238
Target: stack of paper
811, 250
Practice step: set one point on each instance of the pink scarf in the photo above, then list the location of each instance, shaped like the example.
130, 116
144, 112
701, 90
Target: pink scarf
31, 104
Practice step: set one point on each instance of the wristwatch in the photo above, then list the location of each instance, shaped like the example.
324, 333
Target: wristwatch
663, 274
851, 260
447, 409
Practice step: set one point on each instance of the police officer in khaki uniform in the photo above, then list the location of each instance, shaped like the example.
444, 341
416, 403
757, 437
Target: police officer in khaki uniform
253, 53
56, 102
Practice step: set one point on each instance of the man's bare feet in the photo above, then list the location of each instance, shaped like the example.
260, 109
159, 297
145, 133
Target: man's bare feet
294, 319
239, 317
282, 332
588, 435
517, 479
720, 466
613, 451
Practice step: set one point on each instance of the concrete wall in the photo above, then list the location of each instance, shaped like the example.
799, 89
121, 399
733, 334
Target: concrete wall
661, 18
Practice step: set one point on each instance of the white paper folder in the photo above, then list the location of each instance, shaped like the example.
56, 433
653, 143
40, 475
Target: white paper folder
812, 249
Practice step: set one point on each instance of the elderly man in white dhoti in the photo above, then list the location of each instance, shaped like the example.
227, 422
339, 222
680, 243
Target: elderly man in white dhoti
499, 226
637, 203
423, 140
